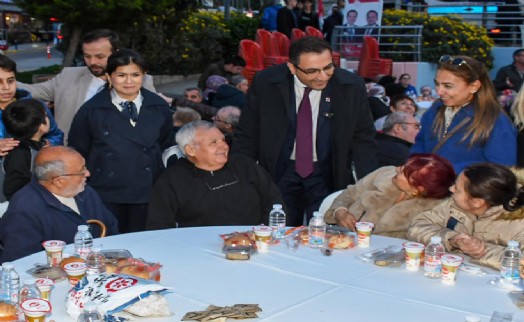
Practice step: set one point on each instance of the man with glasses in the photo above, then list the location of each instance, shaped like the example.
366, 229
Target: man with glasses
397, 137
308, 142
226, 120
52, 205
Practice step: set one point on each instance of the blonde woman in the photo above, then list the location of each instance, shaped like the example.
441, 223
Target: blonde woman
517, 112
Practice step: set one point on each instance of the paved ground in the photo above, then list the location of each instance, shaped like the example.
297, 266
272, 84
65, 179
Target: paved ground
177, 87
33, 56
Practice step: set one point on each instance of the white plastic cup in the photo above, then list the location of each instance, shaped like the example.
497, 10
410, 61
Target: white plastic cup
413, 255
45, 285
53, 249
450, 265
75, 272
35, 309
263, 237
364, 233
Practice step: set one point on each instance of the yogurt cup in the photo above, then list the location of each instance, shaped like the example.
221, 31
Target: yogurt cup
44, 285
53, 249
35, 309
450, 266
364, 233
413, 255
75, 272
263, 237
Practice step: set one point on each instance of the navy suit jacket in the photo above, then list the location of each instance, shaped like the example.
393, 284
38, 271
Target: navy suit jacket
124, 160
35, 215
345, 130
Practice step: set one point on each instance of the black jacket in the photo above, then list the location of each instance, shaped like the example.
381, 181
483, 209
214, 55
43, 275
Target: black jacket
345, 130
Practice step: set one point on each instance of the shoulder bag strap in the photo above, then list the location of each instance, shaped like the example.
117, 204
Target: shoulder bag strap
450, 133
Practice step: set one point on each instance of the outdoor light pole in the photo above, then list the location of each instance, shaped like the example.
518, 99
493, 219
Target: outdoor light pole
227, 4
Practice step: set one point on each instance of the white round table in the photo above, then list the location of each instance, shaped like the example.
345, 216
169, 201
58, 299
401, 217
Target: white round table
294, 286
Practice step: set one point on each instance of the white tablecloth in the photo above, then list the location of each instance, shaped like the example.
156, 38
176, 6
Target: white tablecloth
295, 286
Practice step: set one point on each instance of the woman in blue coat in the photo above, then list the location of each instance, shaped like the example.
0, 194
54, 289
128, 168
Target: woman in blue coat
121, 132
467, 124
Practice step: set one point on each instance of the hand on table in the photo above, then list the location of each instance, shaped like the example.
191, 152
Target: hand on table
345, 219
7, 145
470, 245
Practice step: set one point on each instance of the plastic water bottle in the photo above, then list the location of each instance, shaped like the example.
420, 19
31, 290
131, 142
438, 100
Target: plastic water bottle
29, 291
432, 262
90, 314
277, 221
96, 262
317, 230
509, 267
9, 284
83, 241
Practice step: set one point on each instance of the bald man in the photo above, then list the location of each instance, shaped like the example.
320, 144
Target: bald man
52, 205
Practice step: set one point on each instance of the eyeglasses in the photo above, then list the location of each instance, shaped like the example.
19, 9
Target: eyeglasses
455, 61
416, 125
313, 72
82, 173
216, 119
192, 96
227, 184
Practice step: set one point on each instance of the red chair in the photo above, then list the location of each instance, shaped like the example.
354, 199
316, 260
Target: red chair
270, 48
371, 64
297, 34
314, 32
254, 57
283, 43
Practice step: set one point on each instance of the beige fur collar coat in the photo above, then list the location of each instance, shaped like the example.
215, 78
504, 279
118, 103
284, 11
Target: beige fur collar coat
373, 198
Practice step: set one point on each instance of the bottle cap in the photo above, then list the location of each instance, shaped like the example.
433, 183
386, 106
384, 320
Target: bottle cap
436, 240
83, 228
513, 243
277, 206
30, 281
90, 306
8, 265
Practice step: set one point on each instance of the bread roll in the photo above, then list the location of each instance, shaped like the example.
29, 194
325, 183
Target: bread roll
8, 312
238, 240
138, 271
341, 242
71, 259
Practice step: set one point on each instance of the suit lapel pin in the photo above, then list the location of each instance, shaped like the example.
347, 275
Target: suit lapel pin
328, 99
327, 114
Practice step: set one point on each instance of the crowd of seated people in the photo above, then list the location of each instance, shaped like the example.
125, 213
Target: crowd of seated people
121, 135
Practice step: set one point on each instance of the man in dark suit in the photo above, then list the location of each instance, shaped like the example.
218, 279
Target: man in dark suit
371, 29
308, 142
286, 18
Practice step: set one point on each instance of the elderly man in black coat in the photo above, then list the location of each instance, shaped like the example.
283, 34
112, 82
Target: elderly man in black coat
308, 142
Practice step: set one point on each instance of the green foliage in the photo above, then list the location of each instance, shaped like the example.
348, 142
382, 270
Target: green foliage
27, 77
449, 35
241, 27
188, 45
